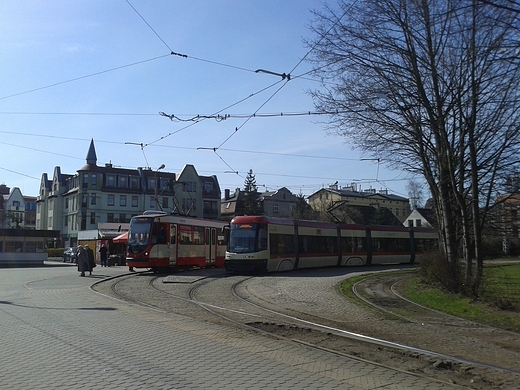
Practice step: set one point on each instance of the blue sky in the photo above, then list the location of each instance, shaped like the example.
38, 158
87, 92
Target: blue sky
72, 71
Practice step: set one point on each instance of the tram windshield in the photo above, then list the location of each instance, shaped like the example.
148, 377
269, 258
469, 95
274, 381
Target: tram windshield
139, 234
247, 238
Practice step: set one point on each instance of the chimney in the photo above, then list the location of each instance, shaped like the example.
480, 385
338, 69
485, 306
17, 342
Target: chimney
226, 194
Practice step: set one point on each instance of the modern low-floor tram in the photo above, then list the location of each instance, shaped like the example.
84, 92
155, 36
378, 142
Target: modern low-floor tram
266, 244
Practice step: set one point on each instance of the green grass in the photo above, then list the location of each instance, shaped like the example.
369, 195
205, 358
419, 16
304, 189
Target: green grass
502, 286
499, 304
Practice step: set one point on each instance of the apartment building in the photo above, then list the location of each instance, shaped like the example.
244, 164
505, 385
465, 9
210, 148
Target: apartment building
96, 194
327, 198
278, 203
17, 211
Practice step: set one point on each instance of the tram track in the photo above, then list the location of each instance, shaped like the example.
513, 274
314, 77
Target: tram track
230, 300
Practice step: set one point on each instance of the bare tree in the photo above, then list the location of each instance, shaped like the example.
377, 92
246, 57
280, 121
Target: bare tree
302, 210
415, 193
429, 86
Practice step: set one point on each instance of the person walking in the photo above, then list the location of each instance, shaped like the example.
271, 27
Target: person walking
91, 259
82, 258
103, 254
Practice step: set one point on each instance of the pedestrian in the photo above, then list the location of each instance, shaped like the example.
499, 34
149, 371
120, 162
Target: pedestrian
103, 253
82, 258
91, 259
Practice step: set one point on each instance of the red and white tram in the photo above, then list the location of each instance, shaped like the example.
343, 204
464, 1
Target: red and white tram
275, 244
160, 241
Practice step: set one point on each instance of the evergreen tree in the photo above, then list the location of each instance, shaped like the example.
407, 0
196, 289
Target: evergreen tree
252, 204
302, 210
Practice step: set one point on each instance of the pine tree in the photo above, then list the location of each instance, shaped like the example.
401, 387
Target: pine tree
252, 204
301, 209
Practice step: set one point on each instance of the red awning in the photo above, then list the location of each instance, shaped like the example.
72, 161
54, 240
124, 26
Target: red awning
122, 238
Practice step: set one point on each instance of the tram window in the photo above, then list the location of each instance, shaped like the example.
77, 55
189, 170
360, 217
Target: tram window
185, 234
282, 244
390, 244
162, 235
198, 235
348, 244
159, 234
30, 246
317, 244
9, 246
262, 238
173, 234
425, 244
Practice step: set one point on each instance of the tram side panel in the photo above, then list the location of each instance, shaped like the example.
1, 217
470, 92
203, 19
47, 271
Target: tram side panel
425, 241
281, 248
390, 246
353, 246
317, 245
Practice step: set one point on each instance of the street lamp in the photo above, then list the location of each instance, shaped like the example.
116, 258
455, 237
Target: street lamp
155, 186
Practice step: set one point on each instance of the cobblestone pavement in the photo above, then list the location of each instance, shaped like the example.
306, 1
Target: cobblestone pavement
58, 333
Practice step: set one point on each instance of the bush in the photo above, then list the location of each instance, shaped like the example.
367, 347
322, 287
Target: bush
435, 270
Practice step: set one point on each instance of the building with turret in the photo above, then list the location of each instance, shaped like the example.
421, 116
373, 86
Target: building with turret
106, 194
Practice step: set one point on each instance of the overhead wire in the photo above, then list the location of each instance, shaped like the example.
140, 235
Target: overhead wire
177, 118
195, 120
216, 113
265, 152
76, 113
171, 53
184, 55
19, 173
83, 77
39, 150
285, 77
151, 28
251, 116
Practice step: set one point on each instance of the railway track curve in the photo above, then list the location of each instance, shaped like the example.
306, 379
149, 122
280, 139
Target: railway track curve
272, 305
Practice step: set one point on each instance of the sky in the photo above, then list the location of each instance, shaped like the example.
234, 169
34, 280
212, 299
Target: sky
103, 70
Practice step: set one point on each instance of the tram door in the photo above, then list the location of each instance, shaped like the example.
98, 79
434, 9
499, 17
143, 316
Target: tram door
210, 244
173, 244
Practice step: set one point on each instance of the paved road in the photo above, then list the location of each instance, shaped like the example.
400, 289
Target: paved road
58, 333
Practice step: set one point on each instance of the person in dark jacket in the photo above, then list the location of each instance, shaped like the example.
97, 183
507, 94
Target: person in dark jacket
103, 254
91, 259
82, 258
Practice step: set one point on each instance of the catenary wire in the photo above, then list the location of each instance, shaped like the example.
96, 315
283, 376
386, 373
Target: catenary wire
177, 118
185, 55
382, 182
83, 77
171, 147
286, 78
216, 113
20, 173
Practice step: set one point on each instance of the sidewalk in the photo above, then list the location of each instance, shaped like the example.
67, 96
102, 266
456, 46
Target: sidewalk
59, 334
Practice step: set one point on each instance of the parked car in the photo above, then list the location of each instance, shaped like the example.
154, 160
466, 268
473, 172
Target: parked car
70, 255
